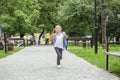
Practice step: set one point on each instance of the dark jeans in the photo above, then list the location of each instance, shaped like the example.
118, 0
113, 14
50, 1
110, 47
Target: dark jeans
47, 41
59, 54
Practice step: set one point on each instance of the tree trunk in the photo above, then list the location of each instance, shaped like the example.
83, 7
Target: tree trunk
41, 33
21, 35
103, 23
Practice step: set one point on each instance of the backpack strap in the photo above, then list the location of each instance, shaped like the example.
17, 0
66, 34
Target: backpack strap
54, 39
64, 41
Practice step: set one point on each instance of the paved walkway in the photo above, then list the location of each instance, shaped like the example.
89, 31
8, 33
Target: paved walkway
39, 63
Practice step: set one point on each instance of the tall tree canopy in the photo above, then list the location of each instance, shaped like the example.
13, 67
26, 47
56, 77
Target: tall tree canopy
20, 16
75, 16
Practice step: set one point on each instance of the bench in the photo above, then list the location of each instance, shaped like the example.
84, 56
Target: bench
77, 41
8, 45
117, 54
17, 39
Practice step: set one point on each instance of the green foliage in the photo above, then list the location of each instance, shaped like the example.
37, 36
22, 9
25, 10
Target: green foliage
77, 16
48, 14
20, 17
113, 24
25, 16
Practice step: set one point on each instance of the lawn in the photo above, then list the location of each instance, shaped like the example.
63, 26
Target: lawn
98, 59
3, 54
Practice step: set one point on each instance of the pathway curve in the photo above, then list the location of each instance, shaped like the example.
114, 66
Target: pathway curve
39, 63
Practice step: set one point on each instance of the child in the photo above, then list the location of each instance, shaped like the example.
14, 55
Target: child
47, 35
59, 42
36, 35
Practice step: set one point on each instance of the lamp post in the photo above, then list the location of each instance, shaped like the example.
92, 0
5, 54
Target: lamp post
5, 40
56, 6
56, 2
0, 27
0, 30
95, 29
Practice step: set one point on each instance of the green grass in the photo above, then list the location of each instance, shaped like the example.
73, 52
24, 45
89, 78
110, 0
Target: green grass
3, 54
98, 59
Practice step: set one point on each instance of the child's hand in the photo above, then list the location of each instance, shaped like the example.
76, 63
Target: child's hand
64, 34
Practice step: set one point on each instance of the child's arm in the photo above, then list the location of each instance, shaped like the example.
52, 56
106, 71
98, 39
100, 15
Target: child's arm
51, 37
64, 34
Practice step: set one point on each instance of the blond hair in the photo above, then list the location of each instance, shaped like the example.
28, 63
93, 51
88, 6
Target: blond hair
58, 26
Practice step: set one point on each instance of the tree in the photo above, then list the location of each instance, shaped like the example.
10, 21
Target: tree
48, 14
103, 22
76, 16
19, 17
113, 24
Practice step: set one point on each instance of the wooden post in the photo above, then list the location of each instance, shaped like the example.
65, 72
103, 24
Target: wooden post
95, 28
84, 43
107, 62
24, 42
107, 47
107, 58
91, 42
27, 42
5, 40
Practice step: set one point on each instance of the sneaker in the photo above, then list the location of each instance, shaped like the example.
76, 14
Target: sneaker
59, 66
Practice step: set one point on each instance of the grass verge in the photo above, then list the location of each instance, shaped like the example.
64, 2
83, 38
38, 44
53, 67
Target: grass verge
98, 59
3, 54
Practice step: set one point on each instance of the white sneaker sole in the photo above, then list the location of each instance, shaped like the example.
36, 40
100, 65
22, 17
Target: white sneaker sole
59, 66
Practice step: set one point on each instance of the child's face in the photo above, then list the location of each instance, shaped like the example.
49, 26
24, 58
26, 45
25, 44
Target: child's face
58, 29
